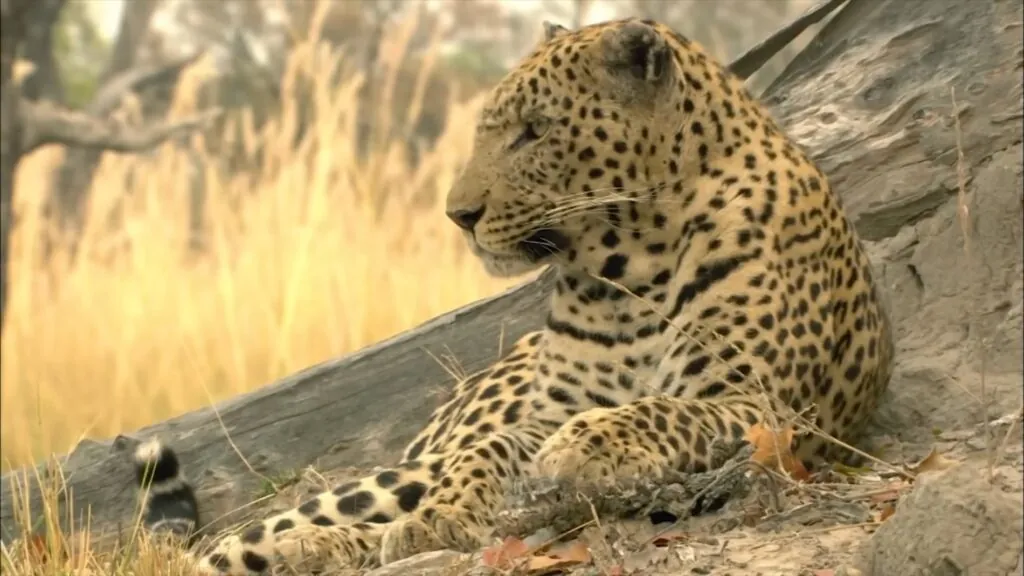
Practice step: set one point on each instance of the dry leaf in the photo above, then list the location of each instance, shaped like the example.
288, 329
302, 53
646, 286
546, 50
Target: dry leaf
514, 553
37, 549
827, 572
510, 552
564, 556
576, 550
666, 538
886, 511
933, 462
774, 450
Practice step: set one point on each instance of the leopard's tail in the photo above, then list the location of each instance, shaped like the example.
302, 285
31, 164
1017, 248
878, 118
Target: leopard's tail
168, 499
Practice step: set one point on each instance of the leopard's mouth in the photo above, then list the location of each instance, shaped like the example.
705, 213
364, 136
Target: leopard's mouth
529, 253
543, 243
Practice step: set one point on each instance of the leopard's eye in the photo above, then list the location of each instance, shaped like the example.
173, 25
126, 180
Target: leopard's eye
533, 131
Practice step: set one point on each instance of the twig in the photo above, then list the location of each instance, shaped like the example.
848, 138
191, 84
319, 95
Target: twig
964, 217
1006, 438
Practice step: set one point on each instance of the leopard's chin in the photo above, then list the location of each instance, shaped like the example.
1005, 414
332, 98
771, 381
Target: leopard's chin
502, 265
540, 248
509, 267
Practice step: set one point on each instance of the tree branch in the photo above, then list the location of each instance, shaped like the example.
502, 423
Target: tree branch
752, 61
112, 92
46, 123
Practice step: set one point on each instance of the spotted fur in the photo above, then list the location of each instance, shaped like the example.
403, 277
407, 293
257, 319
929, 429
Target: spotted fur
707, 273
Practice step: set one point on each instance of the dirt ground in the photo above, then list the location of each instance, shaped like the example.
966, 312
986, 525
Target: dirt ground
961, 515
944, 493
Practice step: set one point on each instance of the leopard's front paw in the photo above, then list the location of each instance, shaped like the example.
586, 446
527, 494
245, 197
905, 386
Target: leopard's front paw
603, 444
317, 549
432, 528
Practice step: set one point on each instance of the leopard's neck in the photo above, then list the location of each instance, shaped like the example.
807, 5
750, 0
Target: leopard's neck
602, 343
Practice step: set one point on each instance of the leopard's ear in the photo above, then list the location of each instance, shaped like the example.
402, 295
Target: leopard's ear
637, 51
552, 31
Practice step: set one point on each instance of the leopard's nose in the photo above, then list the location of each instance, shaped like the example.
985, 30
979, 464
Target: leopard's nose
466, 219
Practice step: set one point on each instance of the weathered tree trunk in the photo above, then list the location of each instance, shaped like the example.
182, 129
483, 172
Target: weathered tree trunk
38, 49
26, 26
870, 98
10, 133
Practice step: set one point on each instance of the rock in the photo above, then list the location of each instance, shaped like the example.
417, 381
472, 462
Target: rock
953, 524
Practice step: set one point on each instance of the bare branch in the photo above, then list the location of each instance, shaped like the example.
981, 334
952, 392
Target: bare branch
46, 123
752, 61
110, 95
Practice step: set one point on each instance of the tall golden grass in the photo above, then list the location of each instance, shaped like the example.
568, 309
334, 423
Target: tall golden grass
316, 253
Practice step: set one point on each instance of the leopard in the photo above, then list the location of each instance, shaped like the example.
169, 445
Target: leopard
706, 279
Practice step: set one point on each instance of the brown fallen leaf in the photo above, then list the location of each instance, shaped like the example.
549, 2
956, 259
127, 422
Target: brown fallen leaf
511, 552
667, 538
933, 462
37, 549
575, 550
514, 553
886, 512
773, 449
559, 557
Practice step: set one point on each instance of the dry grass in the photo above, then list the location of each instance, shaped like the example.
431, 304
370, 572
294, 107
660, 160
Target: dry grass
316, 254
301, 267
47, 550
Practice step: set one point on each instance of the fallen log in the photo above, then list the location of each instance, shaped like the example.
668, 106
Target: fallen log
870, 97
